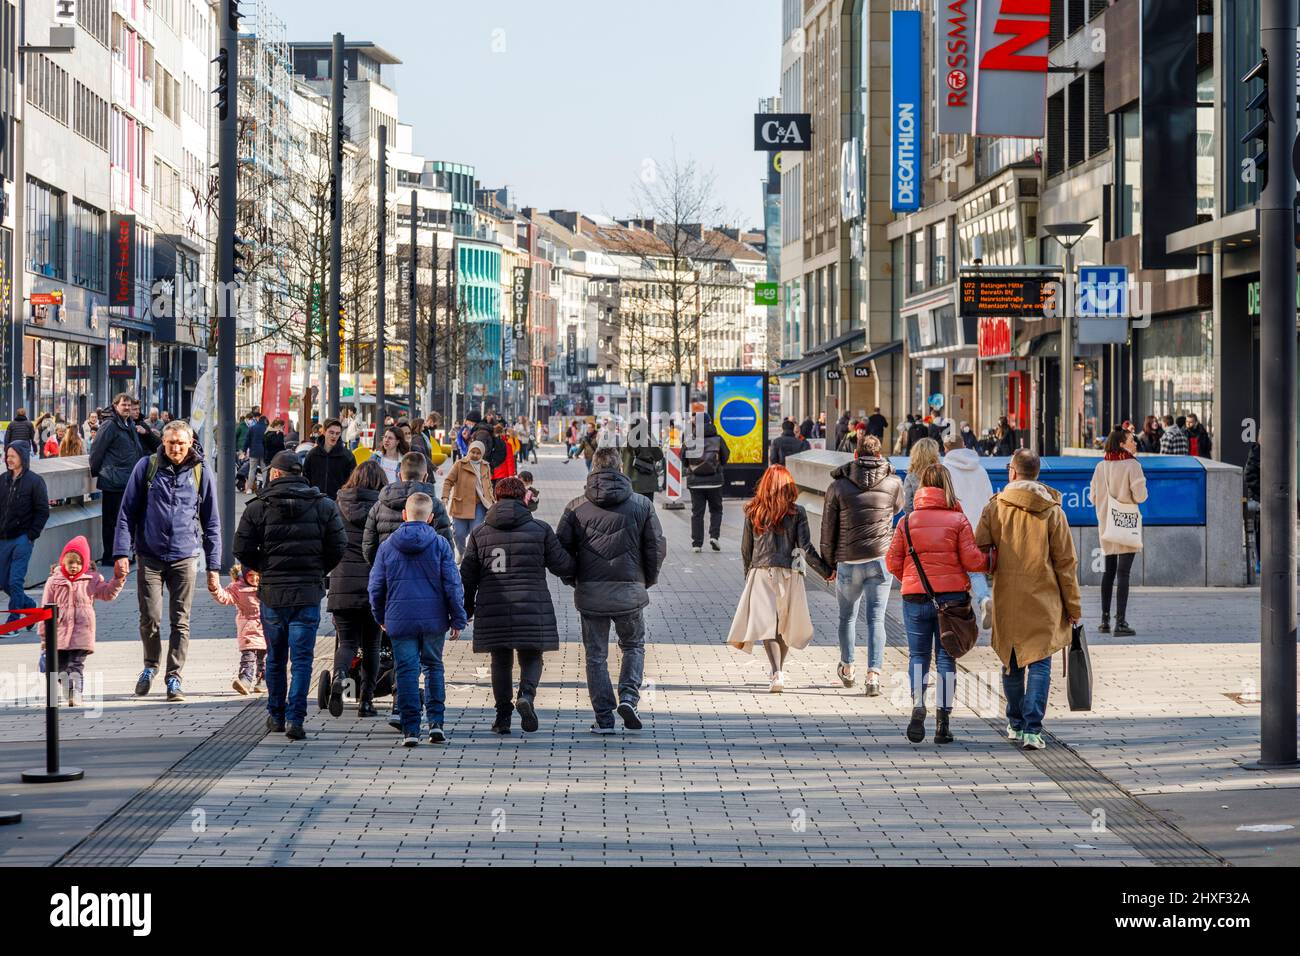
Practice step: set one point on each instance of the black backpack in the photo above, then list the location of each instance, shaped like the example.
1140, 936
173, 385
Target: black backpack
708, 464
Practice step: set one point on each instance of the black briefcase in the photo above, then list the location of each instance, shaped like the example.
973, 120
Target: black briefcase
1078, 671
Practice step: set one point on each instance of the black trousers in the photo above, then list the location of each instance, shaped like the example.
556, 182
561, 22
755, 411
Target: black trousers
700, 497
1118, 567
110, 505
530, 674
357, 629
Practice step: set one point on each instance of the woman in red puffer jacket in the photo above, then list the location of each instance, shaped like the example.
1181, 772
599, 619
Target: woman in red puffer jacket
945, 546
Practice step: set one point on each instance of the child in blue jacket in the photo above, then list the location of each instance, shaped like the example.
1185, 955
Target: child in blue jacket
416, 595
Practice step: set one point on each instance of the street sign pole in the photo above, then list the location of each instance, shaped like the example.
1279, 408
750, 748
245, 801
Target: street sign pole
410, 304
227, 300
382, 285
336, 223
1277, 426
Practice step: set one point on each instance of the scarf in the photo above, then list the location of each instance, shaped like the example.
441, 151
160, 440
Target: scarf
1120, 455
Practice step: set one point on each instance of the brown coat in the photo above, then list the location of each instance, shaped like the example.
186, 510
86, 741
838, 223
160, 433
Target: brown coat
1036, 585
1126, 483
458, 491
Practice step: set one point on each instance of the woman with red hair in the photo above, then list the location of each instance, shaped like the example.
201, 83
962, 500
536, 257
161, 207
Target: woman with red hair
773, 609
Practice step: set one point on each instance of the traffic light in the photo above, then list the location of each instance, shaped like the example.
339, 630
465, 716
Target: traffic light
223, 83
1260, 130
236, 257
343, 328
234, 15
341, 129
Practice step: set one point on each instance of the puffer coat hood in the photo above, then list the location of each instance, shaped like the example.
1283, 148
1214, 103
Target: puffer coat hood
351, 576
76, 597
248, 614
944, 543
970, 482
504, 573
386, 515
615, 538
863, 497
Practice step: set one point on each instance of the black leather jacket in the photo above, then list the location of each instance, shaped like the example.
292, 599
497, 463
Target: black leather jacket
775, 547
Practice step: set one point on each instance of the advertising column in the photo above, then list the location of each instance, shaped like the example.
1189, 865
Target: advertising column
738, 406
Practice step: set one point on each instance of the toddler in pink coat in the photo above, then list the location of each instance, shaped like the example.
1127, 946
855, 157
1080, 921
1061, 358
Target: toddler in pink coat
74, 585
242, 593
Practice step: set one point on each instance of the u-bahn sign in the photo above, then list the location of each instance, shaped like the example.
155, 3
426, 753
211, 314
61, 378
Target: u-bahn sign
991, 56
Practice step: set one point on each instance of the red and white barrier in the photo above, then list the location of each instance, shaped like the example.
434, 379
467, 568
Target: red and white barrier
673, 474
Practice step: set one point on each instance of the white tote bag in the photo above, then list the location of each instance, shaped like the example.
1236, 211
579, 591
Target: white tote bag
1121, 525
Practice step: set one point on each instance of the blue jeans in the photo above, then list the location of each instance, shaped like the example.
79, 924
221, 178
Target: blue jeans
461, 527
1026, 705
411, 657
922, 623
979, 589
595, 646
853, 582
290, 640
15, 555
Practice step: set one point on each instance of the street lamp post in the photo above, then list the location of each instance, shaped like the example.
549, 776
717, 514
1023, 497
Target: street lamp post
1277, 389
336, 221
227, 300
382, 283
1067, 235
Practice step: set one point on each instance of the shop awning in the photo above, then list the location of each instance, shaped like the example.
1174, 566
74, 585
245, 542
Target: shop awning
881, 352
809, 363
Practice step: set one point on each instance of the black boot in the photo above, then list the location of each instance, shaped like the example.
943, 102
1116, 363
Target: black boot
942, 735
1104, 626
916, 729
366, 708
1122, 629
336, 698
502, 723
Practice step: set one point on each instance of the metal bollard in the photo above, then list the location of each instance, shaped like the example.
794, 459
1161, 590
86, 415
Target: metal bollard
52, 773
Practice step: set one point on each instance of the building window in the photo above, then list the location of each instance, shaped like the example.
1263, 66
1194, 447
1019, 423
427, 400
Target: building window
939, 253
1076, 99
88, 246
47, 87
1205, 145
1056, 134
46, 230
1129, 169
90, 116
916, 262
1098, 125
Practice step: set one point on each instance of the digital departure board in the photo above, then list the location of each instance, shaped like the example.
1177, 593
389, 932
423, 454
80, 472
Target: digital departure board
1010, 296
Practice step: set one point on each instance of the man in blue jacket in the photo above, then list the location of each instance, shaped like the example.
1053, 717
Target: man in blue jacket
416, 594
168, 517
24, 509
255, 445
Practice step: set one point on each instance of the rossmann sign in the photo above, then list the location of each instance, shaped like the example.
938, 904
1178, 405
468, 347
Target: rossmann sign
905, 110
991, 66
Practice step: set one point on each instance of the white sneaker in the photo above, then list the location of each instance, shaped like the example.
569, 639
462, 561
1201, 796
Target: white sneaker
873, 684
602, 731
845, 673
1013, 734
778, 683
696, 549
410, 741
986, 613
713, 543
1034, 742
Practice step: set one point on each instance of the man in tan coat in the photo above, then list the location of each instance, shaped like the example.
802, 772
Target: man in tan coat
1035, 591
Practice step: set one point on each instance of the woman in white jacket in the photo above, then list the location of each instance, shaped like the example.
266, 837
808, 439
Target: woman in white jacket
1118, 476
971, 485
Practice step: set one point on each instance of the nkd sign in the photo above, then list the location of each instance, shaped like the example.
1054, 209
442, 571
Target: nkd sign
792, 131
905, 111
992, 58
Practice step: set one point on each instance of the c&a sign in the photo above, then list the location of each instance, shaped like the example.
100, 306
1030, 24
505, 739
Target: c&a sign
792, 131
995, 337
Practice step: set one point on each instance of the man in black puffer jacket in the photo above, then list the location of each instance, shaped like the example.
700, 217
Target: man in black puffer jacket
386, 515
615, 538
504, 573
788, 444
119, 443
857, 526
20, 429
328, 465
293, 535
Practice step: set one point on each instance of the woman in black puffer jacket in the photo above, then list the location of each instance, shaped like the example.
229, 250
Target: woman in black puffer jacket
506, 596
349, 600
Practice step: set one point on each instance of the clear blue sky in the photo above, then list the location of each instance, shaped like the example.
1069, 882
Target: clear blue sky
582, 93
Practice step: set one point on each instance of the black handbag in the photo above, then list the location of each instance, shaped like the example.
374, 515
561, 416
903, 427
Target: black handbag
958, 629
1078, 671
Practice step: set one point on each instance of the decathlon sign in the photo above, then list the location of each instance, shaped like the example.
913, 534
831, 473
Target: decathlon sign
784, 131
992, 60
905, 111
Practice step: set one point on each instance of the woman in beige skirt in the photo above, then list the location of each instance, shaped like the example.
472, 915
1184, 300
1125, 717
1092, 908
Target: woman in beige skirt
773, 609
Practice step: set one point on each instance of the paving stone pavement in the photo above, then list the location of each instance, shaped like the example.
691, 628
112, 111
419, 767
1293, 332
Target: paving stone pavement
724, 771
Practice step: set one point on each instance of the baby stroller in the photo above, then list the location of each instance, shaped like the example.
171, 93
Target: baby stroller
384, 680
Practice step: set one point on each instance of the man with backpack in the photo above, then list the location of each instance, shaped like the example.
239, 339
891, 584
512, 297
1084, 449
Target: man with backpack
704, 458
168, 516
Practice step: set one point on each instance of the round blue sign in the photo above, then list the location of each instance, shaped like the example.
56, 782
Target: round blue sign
737, 418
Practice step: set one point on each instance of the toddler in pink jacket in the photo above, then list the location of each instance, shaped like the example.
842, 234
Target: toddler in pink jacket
242, 593
74, 585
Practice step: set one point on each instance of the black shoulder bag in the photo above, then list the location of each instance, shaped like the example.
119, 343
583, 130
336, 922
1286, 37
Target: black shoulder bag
958, 629
1078, 670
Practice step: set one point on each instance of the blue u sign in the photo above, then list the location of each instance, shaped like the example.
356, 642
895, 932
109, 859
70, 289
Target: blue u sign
905, 110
